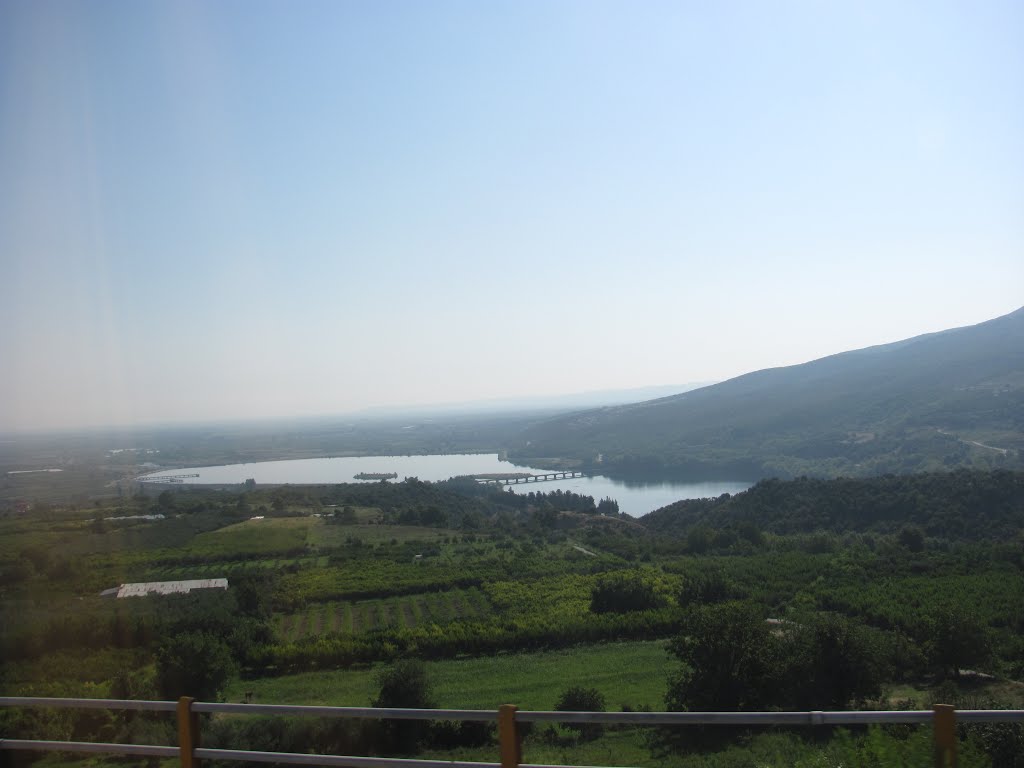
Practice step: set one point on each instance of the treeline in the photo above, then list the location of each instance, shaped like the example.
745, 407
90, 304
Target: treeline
462, 638
497, 499
459, 503
965, 505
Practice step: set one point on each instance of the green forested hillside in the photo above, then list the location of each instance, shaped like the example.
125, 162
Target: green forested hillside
954, 398
964, 505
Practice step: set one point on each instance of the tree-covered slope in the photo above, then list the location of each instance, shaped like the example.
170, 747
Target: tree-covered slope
965, 505
953, 398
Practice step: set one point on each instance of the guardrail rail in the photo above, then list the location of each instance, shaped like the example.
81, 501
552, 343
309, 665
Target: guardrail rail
508, 717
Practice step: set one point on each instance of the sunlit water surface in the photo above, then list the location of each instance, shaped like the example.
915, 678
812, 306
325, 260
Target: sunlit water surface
635, 498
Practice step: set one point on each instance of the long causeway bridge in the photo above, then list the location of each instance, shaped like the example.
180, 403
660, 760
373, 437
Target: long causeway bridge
515, 479
165, 478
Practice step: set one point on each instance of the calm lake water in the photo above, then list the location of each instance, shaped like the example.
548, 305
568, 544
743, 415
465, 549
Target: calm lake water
635, 498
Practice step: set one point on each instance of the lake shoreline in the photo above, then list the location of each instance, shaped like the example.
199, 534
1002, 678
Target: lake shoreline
635, 496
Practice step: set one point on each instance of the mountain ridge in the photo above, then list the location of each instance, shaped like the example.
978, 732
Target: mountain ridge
917, 404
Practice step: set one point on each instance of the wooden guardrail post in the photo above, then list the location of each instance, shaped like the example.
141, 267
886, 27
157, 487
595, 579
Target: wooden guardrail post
508, 737
945, 735
188, 732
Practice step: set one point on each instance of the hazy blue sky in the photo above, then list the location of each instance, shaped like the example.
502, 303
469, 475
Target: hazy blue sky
233, 209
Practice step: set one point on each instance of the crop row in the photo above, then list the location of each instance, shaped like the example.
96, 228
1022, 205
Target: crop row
404, 612
216, 570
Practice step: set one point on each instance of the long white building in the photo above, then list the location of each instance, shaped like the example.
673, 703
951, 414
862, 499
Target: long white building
143, 588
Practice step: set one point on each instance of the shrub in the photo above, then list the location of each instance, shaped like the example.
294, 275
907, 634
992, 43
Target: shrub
579, 699
404, 685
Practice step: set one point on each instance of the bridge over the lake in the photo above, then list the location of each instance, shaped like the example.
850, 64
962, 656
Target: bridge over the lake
522, 477
165, 478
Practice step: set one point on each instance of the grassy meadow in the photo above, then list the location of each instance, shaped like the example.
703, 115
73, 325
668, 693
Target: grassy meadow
631, 674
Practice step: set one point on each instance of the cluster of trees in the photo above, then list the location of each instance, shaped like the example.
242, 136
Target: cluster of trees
497, 500
203, 642
628, 591
965, 505
562, 501
733, 659
197, 641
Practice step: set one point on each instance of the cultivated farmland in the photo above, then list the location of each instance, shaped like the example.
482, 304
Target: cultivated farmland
406, 612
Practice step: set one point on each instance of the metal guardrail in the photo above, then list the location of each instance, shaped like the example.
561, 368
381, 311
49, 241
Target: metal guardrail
376, 713
144, 750
138, 705
508, 717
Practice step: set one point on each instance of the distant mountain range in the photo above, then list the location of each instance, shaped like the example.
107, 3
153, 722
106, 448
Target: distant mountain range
561, 403
942, 400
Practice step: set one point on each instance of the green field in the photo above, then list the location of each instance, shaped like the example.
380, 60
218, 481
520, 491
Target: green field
626, 673
327, 536
255, 537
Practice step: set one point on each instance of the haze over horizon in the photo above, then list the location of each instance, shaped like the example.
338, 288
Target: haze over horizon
252, 210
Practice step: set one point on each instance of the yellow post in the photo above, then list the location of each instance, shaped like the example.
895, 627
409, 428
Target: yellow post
945, 735
188, 732
508, 737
